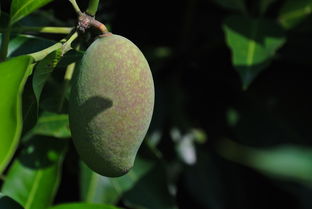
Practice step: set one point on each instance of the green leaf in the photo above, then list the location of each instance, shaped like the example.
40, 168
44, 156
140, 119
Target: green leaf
100, 189
283, 162
13, 75
22, 8
7, 202
238, 5
293, 12
253, 43
43, 70
52, 124
83, 206
34, 176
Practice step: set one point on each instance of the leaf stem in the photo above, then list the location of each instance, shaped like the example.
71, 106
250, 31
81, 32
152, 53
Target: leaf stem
75, 6
92, 7
27, 29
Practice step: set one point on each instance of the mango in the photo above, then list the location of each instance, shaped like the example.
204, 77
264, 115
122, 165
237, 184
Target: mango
111, 105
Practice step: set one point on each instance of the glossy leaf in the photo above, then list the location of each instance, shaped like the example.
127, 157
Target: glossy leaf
34, 176
22, 8
42, 72
253, 43
7, 202
83, 206
52, 124
13, 75
99, 189
293, 12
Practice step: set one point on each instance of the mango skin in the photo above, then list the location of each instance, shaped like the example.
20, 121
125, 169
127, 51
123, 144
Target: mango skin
111, 105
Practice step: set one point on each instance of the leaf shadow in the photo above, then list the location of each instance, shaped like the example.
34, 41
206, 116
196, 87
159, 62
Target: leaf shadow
41, 151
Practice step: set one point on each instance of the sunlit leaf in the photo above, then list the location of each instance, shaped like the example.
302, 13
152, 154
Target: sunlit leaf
293, 12
83, 206
34, 176
52, 124
253, 43
22, 8
13, 75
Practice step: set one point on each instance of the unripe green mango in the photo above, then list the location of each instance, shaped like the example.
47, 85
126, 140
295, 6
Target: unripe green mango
111, 105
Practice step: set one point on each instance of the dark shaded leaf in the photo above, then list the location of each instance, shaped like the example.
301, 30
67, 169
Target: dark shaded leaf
8, 203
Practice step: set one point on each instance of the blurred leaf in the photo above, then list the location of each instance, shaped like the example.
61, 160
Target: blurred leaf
83, 206
286, 161
100, 189
42, 72
155, 188
52, 124
34, 176
22, 8
238, 5
253, 43
7, 202
13, 75
293, 12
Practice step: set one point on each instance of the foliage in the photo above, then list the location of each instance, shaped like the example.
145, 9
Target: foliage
231, 122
